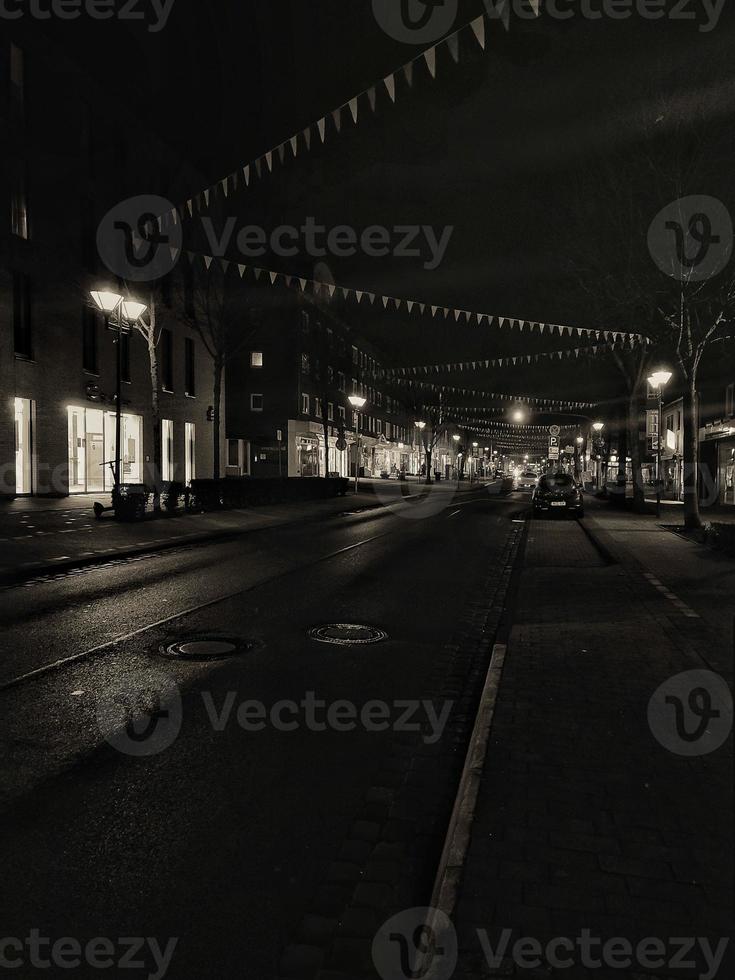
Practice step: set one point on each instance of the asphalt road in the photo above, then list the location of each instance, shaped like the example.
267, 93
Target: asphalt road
223, 837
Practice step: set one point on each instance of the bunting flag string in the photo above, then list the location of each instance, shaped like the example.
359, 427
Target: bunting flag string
483, 364
302, 140
414, 307
548, 403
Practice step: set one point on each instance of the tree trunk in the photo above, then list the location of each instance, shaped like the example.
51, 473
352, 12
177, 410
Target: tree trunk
692, 517
428, 466
218, 369
325, 423
634, 439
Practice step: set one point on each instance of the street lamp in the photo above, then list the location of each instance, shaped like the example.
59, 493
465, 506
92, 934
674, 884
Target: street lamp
659, 380
113, 304
421, 426
358, 403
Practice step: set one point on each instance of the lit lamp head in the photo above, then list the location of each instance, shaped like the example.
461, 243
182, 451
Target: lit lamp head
357, 401
133, 311
580, 440
457, 438
105, 301
598, 426
421, 425
659, 379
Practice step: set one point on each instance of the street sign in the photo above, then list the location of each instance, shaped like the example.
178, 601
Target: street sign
279, 435
341, 444
554, 447
555, 430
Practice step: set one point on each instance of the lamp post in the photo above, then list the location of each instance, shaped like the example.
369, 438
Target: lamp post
597, 428
112, 304
421, 426
659, 380
358, 403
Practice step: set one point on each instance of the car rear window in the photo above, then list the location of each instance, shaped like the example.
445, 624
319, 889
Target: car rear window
557, 481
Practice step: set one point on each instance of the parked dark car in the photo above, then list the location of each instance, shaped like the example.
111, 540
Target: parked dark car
558, 492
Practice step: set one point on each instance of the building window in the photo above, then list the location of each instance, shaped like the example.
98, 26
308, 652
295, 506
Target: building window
331, 411
730, 400
190, 447
167, 450
22, 315
256, 403
341, 410
341, 380
18, 199
256, 359
355, 355
318, 407
190, 383
89, 340
17, 81
167, 360
24, 409
304, 404
305, 364
379, 427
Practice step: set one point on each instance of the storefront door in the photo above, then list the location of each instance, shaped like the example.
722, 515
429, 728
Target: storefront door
23, 446
91, 436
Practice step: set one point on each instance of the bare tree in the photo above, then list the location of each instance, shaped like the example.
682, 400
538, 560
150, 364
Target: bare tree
640, 269
214, 306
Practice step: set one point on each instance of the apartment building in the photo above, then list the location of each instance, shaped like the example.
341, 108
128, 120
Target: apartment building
288, 408
70, 155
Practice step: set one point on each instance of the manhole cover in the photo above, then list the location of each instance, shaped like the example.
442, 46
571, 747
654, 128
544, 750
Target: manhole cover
347, 634
204, 648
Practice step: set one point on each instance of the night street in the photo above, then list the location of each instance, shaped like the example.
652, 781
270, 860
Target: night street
367, 489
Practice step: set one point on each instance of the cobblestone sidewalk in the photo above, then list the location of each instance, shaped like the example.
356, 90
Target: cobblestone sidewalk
589, 823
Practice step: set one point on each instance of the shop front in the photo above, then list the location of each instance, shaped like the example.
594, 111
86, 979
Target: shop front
717, 450
92, 450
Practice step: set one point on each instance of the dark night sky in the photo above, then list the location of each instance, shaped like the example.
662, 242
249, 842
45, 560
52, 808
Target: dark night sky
492, 147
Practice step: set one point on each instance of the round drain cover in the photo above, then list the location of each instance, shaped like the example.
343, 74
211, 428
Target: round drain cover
347, 634
204, 648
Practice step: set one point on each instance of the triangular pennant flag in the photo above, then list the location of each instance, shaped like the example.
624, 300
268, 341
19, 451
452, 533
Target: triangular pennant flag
390, 84
226, 186
359, 295
408, 73
257, 272
331, 289
433, 310
295, 145
269, 160
353, 109
322, 127
478, 26
206, 197
345, 292
259, 167
282, 152
242, 269
398, 303
190, 206
453, 45
274, 276
174, 252
372, 96
385, 302
337, 117
430, 58
410, 304
302, 283
371, 297
246, 175
225, 264
307, 137
208, 260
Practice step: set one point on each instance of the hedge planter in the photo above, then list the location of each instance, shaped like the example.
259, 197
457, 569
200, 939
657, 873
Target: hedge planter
130, 501
229, 493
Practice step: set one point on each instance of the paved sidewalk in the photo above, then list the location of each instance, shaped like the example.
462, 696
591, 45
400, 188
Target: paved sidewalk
39, 536
588, 818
